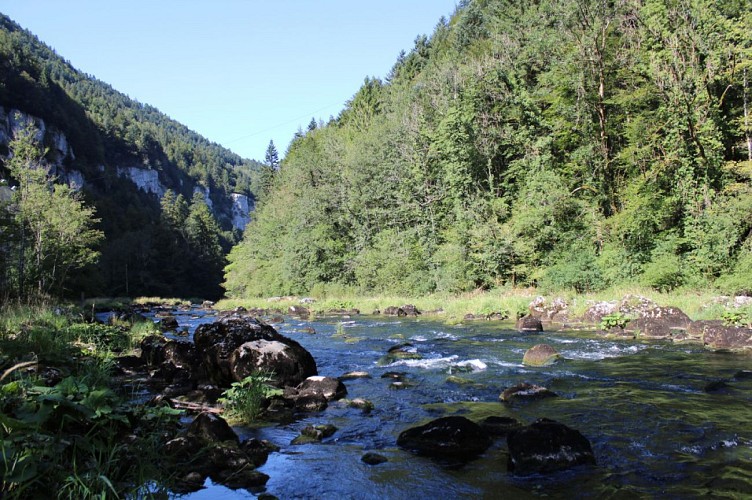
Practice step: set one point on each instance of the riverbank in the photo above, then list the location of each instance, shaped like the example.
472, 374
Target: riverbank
512, 302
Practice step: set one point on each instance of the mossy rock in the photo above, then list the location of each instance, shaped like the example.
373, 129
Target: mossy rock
540, 355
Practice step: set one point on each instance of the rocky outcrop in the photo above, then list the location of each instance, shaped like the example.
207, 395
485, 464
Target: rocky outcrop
540, 355
659, 323
556, 310
233, 347
447, 437
727, 337
547, 446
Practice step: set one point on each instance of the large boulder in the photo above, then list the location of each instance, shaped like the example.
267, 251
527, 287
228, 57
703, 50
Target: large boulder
233, 347
212, 428
540, 355
555, 310
659, 323
547, 446
447, 437
529, 323
727, 337
329, 387
288, 363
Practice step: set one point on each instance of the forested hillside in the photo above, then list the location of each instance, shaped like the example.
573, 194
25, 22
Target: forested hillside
558, 143
132, 160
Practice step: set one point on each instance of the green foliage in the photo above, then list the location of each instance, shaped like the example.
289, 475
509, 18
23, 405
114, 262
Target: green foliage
559, 143
736, 317
246, 400
615, 320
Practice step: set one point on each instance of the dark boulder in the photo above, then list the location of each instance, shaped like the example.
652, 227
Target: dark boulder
547, 446
168, 323
529, 323
331, 388
212, 428
525, 391
372, 458
447, 437
152, 349
406, 310
287, 362
219, 346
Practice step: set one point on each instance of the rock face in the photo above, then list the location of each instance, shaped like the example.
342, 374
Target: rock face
727, 337
540, 355
232, 348
446, 437
547, 446
529, 324
659, 322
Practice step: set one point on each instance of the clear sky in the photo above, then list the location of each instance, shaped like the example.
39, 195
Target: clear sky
239, 72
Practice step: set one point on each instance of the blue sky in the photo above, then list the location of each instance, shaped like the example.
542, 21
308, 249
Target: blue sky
238, 72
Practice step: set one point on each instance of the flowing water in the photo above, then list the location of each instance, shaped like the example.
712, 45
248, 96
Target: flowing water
654, 429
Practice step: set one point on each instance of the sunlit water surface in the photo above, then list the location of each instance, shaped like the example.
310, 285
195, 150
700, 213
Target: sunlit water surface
655, 431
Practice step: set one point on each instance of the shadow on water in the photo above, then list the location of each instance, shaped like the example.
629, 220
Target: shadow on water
655, 429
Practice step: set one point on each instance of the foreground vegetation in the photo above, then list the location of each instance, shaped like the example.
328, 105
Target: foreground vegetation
67, 429
560, 144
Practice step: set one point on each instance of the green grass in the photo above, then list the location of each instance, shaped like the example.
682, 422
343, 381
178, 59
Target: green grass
696, 304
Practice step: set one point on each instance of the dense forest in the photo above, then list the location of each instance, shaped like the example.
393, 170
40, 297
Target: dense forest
145, 251
573, 144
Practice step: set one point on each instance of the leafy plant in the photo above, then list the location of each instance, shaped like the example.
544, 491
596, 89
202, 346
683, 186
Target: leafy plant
614, 320
736, 318
246, 400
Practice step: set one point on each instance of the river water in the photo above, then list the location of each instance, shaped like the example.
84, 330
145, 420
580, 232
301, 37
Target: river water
655, 430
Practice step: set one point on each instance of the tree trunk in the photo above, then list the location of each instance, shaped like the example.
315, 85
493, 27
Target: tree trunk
746, 118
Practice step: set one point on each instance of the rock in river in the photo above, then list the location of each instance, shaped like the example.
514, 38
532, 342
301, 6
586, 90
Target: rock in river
540, 355
547, 446
447, 437
234, 347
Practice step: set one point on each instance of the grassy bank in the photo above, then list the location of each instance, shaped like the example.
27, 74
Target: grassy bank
69, 430
512, 301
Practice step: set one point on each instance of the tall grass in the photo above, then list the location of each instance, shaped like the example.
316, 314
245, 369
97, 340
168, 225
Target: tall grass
512, 301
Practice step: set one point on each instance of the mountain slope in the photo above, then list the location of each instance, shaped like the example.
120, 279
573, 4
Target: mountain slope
125, 155
561, 143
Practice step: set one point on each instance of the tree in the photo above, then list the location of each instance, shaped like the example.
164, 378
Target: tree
271, 159
54, 231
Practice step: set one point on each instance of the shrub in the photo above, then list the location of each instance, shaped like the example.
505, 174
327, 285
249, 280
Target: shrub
246, 400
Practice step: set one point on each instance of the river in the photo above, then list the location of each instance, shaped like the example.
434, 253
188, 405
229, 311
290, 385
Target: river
654, 428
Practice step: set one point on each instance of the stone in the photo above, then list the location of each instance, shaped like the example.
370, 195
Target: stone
529, 324
169, 323
219, 347
299, 311
547, 446
659, 322
727, 337
452, 437
372, 458
525, 391
354, 375
287, 363
540, 355
212, 428
330, 388
152, 349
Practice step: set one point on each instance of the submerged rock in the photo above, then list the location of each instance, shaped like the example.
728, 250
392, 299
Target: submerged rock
446, 437
525, 391
540, 355
372, 458
547, 446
